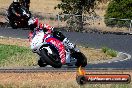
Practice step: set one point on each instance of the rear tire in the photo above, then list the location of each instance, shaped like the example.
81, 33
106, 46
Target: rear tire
53, 60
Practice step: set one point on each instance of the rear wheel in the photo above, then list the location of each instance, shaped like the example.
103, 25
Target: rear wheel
52, 59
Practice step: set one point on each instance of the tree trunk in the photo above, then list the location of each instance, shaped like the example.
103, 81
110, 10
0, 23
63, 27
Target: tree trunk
79, 18
80, 23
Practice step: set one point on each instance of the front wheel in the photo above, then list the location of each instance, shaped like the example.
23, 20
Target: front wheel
81, 59
52, 59
41, 63
13, 25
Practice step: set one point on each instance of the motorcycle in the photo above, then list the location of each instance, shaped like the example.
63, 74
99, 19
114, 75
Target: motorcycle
53, 52
20, 21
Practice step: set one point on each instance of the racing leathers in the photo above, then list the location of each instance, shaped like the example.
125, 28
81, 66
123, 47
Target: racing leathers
14, 11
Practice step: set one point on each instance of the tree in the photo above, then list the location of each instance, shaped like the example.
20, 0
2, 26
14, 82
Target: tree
77, 7
120, 9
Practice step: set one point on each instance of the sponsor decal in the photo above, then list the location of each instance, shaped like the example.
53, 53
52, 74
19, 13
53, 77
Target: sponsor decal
58, 44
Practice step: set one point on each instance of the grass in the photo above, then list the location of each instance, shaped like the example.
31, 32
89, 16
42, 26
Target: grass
50, 80
109, 51
72, 84
94, 54
18, 53
12, 55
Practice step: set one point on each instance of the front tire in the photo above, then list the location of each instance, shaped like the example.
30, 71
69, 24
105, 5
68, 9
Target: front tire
52, 59
41, 63
13, 25
81, 59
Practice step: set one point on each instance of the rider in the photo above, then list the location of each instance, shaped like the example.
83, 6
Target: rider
14, 9
34, 25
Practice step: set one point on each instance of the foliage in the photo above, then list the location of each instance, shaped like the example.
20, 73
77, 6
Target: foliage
109, 51
120, 9
76, 7
105, 49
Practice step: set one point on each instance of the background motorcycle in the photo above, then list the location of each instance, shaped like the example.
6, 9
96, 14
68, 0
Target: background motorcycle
20, 21
53, 52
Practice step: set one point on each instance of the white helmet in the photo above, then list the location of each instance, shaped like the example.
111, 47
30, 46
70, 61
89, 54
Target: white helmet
15, 0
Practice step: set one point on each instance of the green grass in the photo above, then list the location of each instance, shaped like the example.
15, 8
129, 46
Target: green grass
11, 55
109, 51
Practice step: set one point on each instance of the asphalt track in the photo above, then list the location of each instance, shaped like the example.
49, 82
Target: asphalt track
121, 43
50, 69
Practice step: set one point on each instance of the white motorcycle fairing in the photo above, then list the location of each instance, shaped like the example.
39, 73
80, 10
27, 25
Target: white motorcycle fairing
37, 41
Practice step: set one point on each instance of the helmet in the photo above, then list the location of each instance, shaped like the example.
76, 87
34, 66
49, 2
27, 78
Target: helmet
16, 1
33, 23
41, 26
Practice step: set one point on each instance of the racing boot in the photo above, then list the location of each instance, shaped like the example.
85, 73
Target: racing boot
70, 61
68, 44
